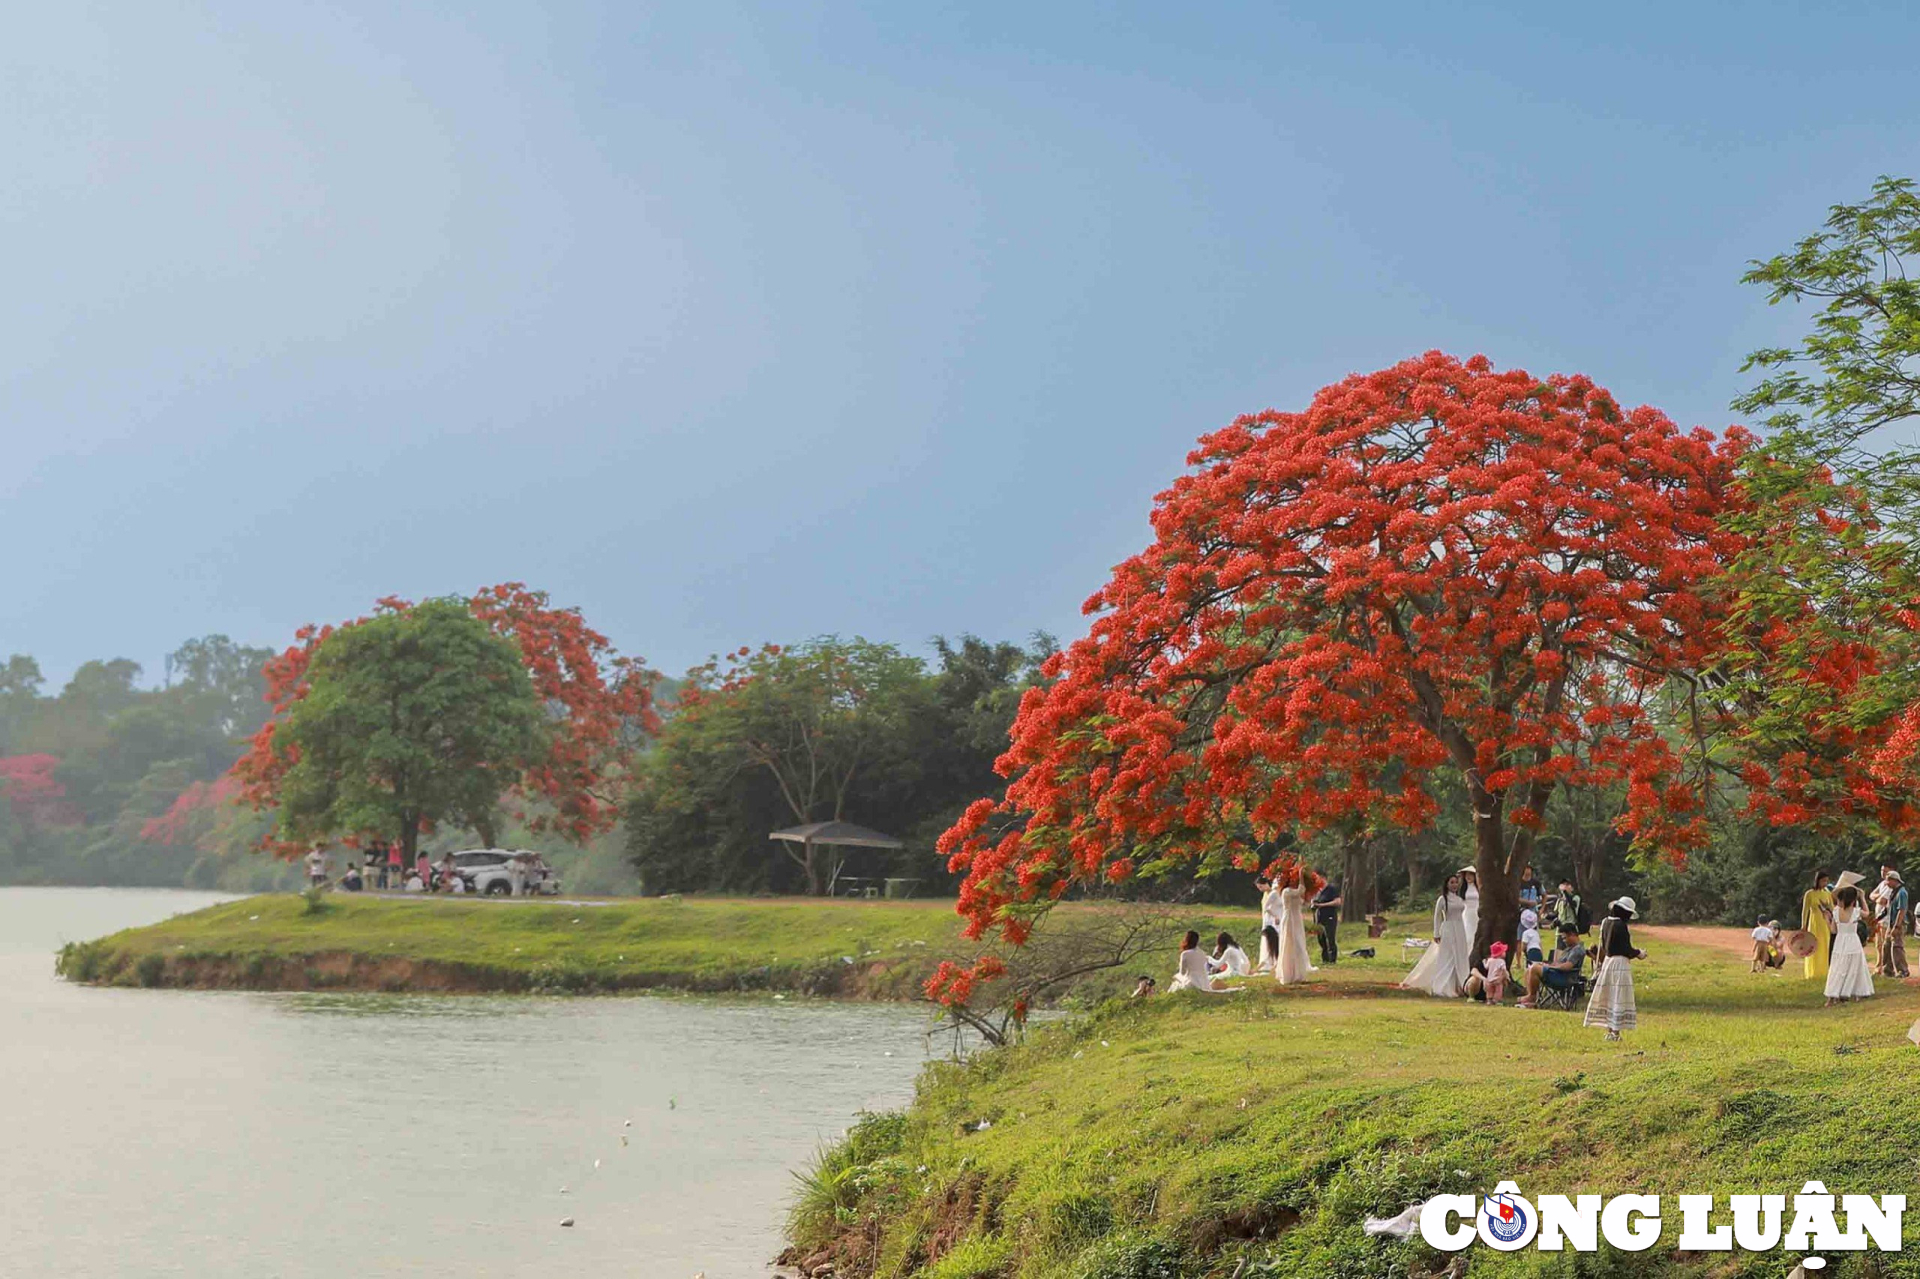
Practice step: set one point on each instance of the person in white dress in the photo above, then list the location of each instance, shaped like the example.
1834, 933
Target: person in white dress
1612, 1003
1847, 975
1191, 973
1442, 971
1228, 959
1269, 925
1470, 893
1293, 964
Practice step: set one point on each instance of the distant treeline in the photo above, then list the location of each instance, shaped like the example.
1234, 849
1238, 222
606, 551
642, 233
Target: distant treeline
107, 782
104, 782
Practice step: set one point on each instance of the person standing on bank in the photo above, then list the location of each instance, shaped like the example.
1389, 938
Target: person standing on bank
1895, 913
1612, 1002
1326, 917
1816, 919
1442, 971
1847, 978
1269, 924
1291, 965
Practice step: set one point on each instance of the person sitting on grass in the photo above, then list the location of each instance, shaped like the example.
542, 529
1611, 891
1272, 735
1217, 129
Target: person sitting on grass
1192, 972
1143, 987
1561, 970
1228, 959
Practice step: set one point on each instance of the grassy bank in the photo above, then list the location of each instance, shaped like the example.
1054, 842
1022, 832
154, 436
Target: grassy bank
872, 949
1251, 1134
849, 949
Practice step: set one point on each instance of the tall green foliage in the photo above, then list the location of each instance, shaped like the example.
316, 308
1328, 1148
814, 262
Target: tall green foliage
423, 716
829, 729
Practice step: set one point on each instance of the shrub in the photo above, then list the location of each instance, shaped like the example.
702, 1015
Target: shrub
150, 970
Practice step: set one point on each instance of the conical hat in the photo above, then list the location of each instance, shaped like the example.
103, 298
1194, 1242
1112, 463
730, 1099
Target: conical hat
1848, 879
1799, 943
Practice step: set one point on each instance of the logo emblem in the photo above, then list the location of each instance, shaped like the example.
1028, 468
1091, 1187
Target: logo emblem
1507, 1221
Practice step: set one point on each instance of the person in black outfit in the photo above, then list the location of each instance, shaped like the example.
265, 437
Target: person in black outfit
1326, 914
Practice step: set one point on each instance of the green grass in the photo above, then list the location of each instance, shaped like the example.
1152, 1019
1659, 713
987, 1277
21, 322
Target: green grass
1185, 1135
476, 944
864, 949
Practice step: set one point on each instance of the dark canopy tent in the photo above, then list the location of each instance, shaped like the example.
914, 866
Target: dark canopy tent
835, 835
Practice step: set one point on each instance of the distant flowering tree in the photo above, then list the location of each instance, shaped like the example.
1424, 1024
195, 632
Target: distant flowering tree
28, 784
1439, 565
597, 705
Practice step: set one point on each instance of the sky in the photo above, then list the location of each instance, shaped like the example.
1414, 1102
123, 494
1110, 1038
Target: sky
733, 323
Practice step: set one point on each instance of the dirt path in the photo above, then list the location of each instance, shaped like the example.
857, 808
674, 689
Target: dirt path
1732, 941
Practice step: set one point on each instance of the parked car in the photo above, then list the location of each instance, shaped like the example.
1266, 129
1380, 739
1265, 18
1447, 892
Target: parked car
489, 871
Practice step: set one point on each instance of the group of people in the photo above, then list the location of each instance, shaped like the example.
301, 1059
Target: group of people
1284, 903
383, 867
1447, 969
1838, 921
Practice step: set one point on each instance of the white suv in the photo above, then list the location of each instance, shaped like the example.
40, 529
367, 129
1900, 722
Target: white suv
489, 871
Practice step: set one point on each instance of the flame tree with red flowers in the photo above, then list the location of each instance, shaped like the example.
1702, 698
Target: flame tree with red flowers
597, 704
1437, 566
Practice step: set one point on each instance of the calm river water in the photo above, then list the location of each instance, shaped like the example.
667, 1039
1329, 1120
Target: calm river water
215, 1134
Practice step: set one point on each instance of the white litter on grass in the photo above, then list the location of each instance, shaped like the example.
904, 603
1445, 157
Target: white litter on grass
252, 917
1400, 1227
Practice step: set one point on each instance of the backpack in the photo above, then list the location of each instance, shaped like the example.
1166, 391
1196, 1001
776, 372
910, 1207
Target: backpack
1582, 916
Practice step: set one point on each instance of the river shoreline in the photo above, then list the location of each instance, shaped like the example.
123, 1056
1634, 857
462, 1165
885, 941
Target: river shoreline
826, 949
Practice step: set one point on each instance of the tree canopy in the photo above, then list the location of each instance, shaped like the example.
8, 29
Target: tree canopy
590, 707
828, 729
411, 718
1436, 565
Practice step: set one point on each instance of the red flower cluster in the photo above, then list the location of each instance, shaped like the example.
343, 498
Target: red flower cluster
1435, 564
34, 793
176, 826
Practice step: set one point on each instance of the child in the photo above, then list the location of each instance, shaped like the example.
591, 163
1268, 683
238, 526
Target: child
1530, 937
1763, 939
1497, 973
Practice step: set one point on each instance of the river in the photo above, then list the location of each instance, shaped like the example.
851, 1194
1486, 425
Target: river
215, 1134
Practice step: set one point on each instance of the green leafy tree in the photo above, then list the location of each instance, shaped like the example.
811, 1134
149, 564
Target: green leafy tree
828, 729
1823, 657
412, 719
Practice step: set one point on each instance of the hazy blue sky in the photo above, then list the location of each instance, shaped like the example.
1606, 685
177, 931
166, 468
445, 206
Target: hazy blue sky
734, 323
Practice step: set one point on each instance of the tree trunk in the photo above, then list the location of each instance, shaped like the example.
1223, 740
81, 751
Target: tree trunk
409, 840
1357, 884
1589, 867
812, 867
1499, 873
486, 831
